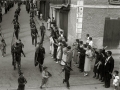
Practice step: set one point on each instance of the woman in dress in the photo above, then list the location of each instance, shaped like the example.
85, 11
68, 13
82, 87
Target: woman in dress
64, 56
59, 52
88, 59
75, 51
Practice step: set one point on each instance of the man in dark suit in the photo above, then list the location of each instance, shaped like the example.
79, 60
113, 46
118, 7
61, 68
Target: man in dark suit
67, 70
109, 66
40, 55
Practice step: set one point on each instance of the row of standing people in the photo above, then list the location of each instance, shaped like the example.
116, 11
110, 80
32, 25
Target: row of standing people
83, 55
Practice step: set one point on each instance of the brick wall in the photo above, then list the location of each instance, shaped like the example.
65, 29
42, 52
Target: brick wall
96, 2
93, 23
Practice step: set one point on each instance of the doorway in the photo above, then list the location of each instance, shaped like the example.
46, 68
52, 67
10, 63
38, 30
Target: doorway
111, 32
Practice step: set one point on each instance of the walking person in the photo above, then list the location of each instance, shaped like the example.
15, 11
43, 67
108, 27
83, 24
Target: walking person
21, 45
34, 34
43, 30
40, 55
13, 55
3, 47
67, 70
21, 82
18, 56
69, 56
45, 76
17, 29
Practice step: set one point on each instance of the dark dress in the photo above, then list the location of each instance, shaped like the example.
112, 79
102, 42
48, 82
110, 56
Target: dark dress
98, 59
82, 59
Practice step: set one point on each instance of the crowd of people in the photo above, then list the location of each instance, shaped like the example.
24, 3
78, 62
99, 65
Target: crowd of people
80, 54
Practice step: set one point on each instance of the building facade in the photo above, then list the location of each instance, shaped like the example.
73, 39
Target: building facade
43, 7
93, 20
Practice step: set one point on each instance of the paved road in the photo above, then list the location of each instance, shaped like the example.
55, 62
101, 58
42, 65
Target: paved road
8, 77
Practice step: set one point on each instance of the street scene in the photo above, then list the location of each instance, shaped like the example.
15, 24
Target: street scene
59, 45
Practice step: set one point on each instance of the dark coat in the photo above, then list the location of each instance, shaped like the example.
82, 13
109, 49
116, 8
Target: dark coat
39, 55
109, 65
82, 58
98, 59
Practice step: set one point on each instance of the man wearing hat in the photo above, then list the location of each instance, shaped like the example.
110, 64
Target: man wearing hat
21, 82
69, 56
67, 70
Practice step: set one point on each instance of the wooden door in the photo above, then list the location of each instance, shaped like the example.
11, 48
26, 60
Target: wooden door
64, 22
111, 33
42, 8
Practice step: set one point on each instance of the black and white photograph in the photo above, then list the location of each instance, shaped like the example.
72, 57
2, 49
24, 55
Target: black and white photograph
59, 44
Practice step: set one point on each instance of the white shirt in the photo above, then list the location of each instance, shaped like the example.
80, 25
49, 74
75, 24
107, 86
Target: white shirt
107, 60
91, 43
87, 40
